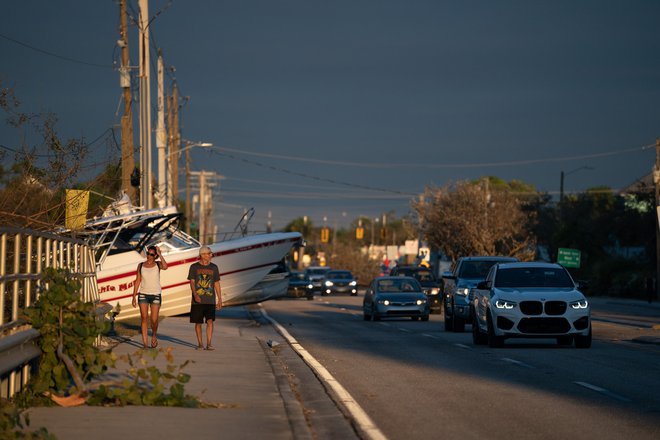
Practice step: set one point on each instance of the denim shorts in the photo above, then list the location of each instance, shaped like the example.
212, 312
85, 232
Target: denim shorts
145, 298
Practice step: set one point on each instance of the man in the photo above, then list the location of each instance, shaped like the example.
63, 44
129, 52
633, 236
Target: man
204, 279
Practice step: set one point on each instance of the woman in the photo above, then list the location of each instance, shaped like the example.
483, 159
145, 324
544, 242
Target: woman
147, 282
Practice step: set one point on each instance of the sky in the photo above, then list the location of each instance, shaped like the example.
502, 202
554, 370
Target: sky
347, 108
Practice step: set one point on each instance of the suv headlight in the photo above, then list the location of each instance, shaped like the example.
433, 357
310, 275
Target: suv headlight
581, 304
421, 301
435, 291
504, 304
462, 291
353, 283
328, 283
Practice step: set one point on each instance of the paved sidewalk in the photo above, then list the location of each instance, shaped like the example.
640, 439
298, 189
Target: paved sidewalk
262, 392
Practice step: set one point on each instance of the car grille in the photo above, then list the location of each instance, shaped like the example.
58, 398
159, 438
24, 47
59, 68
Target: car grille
552, 308
403, 312
403, 303
543, 325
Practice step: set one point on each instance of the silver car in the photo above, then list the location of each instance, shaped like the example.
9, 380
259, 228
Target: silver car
530, 300
393, 297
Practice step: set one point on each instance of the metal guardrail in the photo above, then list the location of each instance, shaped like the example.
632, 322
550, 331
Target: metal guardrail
24, 254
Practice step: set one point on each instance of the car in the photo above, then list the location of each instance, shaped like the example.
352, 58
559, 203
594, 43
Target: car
299, 285
430, 284
467, 272
394, 297
316, 275
530, 300
339, 281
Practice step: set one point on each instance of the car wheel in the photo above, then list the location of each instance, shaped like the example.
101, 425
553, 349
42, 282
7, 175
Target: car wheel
448, 321
374, 314
494, 341
565, 340
478, 338
458, 324
425, 318
366, 316
583, 341
310, 297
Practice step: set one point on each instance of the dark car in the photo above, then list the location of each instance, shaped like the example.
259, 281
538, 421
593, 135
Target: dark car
316, 275
430, 284
339, 281
458, 284
394, 297
299, 286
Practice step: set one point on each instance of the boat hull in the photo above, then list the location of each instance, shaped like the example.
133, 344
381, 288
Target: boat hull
243, 264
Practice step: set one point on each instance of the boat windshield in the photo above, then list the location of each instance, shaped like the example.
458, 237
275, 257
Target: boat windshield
169, 239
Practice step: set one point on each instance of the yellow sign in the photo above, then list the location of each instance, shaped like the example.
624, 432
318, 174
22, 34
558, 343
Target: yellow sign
359, 233
76, 208
325, 235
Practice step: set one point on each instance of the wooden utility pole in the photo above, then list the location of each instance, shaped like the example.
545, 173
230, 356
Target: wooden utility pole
174, 141
656, 181
127, 159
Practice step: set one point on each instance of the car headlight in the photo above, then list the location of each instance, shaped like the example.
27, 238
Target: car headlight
435, 291
328, 283
353, 283
504, 304
462, 291
310, 286
581, 304
421, 301
385, 302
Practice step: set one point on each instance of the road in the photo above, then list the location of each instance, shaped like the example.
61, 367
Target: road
417, 381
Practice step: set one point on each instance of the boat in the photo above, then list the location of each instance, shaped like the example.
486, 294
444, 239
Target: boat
122, 234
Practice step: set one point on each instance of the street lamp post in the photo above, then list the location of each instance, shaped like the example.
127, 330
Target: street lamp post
561, 180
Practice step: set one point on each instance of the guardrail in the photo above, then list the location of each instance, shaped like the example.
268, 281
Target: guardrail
24, 254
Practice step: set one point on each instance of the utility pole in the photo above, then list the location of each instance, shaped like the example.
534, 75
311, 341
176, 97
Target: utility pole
161, 139
145, 107
127, 160
174, 140
188, 210
656, 181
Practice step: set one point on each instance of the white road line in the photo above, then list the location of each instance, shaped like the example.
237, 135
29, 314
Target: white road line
515, 362
603, 391
466, 347
430, 336
403, 329
363, 421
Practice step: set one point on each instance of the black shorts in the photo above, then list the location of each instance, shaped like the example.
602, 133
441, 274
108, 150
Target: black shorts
201, 312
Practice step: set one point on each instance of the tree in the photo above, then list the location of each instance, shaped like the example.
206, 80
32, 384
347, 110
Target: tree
477, 218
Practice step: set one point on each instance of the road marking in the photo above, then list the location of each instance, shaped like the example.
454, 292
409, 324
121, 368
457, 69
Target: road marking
430, 336
342, 308
603, 391
466, 347
362, 420
515, 362
403, 329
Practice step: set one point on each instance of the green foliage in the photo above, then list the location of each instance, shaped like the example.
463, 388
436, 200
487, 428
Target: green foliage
14, 424
62, 317
147, 385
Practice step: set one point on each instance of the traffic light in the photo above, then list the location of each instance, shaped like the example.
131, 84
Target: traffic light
359, 233
325, 235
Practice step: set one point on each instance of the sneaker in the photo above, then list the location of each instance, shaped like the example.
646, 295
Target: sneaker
210, 347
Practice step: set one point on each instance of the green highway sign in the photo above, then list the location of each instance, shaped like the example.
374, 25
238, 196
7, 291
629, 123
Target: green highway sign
568, 257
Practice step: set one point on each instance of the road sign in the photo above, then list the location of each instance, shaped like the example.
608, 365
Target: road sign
325, 235
568, 257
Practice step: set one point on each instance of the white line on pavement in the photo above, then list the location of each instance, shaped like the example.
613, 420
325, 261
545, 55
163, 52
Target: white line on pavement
602, 391
363, 421
515, 362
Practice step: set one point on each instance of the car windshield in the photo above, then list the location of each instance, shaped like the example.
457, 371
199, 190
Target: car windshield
475, 269
533, 277
298, 276
402, 285
317, 271
420, 275
339, 275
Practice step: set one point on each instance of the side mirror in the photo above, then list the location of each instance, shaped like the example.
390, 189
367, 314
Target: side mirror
483, 285
448, 275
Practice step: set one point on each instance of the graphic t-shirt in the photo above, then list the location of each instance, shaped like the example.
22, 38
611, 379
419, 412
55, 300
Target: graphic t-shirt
204, 278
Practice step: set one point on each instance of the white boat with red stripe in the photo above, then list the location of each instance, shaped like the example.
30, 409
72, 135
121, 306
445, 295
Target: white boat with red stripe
121, 236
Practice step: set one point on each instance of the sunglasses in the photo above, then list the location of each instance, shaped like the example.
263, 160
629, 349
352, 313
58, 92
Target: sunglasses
151, 254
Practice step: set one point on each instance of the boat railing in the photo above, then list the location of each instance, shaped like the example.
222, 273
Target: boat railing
24, 255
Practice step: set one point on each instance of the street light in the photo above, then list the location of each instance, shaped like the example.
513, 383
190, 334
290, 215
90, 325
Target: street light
561, 181
186, 148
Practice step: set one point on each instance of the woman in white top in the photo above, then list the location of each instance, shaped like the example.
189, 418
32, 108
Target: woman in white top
147, 283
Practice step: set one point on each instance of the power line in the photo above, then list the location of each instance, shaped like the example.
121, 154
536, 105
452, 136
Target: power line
438, 166
62, 57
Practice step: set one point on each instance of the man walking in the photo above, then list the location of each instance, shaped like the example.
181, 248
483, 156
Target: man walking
204, 279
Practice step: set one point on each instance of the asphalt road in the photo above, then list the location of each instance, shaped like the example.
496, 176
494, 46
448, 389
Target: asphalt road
417, 381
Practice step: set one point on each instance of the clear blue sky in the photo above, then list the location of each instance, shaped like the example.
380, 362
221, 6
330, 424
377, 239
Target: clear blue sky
393, 95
